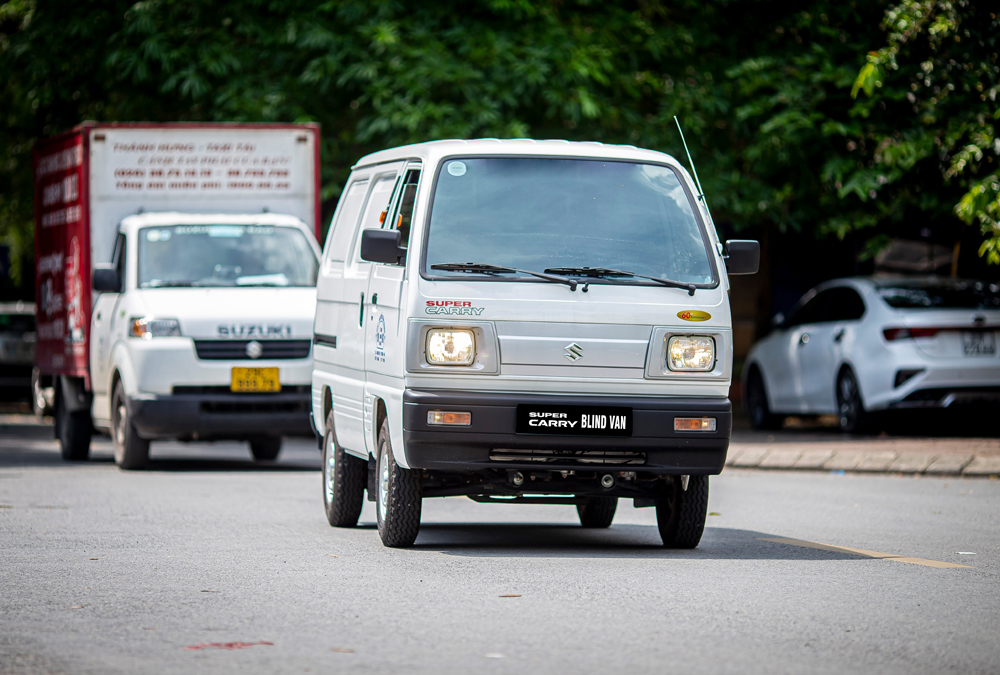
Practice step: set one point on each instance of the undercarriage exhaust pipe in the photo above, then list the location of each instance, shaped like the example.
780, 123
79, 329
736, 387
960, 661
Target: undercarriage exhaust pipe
607, 481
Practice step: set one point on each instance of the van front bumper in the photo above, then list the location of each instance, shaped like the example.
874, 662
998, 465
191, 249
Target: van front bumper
214, 413
491, 441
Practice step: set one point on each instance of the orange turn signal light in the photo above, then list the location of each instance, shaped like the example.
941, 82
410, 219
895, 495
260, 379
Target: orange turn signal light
381, 217
453, 419
694, 424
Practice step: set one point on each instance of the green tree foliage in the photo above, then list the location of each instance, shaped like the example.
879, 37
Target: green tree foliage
932, 101
762, 87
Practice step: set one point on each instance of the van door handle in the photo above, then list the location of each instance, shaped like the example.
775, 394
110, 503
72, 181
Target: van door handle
361, 314
804, 339
839, 336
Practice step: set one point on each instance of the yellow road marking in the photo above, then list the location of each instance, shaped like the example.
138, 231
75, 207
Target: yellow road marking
863, 552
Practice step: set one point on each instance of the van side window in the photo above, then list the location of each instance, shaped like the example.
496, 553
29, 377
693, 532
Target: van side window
342, 230
403, 216
378, 201
119, 259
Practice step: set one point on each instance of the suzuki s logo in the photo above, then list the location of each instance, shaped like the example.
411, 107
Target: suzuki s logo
573, 351
254, 349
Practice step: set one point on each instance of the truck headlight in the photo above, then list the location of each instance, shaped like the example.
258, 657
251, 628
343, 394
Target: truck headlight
690, 352
449, 347
142, 327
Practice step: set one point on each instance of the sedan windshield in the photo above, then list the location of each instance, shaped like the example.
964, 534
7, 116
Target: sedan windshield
225, 255
541, 214
941, 294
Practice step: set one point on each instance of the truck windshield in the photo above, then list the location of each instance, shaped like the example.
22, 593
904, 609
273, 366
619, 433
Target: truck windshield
225, 255
537, 214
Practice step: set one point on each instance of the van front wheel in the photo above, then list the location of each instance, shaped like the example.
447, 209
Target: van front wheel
131, 452
398, 502
344, 478
680, 513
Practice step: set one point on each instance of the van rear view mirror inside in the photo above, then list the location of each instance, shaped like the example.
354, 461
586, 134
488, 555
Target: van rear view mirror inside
382, 246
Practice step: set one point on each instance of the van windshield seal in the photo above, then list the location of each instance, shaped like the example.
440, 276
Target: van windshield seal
555, 214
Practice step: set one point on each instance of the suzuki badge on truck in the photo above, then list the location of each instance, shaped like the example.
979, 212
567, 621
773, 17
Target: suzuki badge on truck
523, 322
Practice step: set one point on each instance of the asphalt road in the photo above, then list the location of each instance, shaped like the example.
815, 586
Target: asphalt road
209, 563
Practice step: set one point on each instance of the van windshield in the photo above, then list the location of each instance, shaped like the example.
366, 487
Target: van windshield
535, 214
225, 255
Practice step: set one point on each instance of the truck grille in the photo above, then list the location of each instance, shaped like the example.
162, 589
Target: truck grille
615, 457
236, 350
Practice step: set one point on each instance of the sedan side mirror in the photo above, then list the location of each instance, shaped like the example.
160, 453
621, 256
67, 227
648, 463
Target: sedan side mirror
382, 246
106, 278
778, 321
742, 256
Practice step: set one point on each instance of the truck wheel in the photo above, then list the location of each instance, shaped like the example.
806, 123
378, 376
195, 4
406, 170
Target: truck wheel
680, 514
131, 452
597, 512
73, 429
398, 503
265, 449
344, 480
854, 419
759, 412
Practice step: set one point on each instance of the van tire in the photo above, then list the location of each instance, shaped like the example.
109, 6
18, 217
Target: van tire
680, 514
131, 451
344, 479
398, 500
598, 512
757, 407
74, 430
266, 448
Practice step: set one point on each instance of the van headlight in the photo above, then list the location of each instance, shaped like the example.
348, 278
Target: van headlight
142, 327
690, 352
450, 347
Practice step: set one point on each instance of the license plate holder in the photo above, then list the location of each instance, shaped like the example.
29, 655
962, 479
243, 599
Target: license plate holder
574, 420
978, 343
254, 380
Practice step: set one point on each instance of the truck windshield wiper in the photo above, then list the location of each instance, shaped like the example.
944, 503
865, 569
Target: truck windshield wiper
487, 268
156, 283
607, 272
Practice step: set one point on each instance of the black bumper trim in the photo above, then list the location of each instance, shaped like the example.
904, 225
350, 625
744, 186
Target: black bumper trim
222, 416
494, 422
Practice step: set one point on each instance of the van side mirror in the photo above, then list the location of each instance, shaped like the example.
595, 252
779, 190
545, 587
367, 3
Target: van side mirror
778, 321
742, 256
382, 246
106, 278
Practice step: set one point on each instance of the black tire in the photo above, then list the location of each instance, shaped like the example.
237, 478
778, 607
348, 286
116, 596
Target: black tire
131, 451
757, 407
853, 418
266, 448
680, 514
344, 480
398, 500
73, 429
598, 512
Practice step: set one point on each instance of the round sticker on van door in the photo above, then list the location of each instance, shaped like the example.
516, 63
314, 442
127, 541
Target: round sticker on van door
456, 168
694, 315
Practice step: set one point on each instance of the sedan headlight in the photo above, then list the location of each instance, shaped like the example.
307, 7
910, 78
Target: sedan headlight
447, 347
142, 327
690, 352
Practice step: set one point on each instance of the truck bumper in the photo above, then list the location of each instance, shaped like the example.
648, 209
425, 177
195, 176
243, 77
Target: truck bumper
214, 413
491, 441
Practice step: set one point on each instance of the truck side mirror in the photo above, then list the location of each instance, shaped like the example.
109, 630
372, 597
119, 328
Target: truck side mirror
382, 246
106, 278
742, 256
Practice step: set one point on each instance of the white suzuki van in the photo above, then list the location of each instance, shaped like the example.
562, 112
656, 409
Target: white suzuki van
523, 322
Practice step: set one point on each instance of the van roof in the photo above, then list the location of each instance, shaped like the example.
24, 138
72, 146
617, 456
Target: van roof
432, 151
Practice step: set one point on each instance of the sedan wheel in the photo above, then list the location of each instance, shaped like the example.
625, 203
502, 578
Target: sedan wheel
854, 419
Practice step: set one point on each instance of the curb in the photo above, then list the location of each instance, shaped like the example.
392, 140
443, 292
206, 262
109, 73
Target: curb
869, 460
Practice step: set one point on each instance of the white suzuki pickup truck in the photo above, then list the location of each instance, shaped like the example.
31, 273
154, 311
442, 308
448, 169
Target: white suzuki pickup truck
524, 321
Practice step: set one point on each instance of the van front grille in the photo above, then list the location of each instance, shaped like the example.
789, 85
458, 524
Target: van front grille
599, 457
236, 350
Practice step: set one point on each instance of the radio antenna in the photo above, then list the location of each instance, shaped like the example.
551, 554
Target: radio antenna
691, 162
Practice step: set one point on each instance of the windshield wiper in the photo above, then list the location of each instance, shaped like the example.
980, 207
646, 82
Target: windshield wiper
487, 268
171, 284
607, 272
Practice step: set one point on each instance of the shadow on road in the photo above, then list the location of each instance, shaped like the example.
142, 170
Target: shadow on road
532, 540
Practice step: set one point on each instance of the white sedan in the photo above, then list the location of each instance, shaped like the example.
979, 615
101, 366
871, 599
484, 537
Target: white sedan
853, 347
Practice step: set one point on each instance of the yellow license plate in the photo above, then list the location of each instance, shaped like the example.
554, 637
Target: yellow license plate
255, 380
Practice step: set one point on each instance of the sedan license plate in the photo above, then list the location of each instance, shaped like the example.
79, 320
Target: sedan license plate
979, 343
250, 380
566, 420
